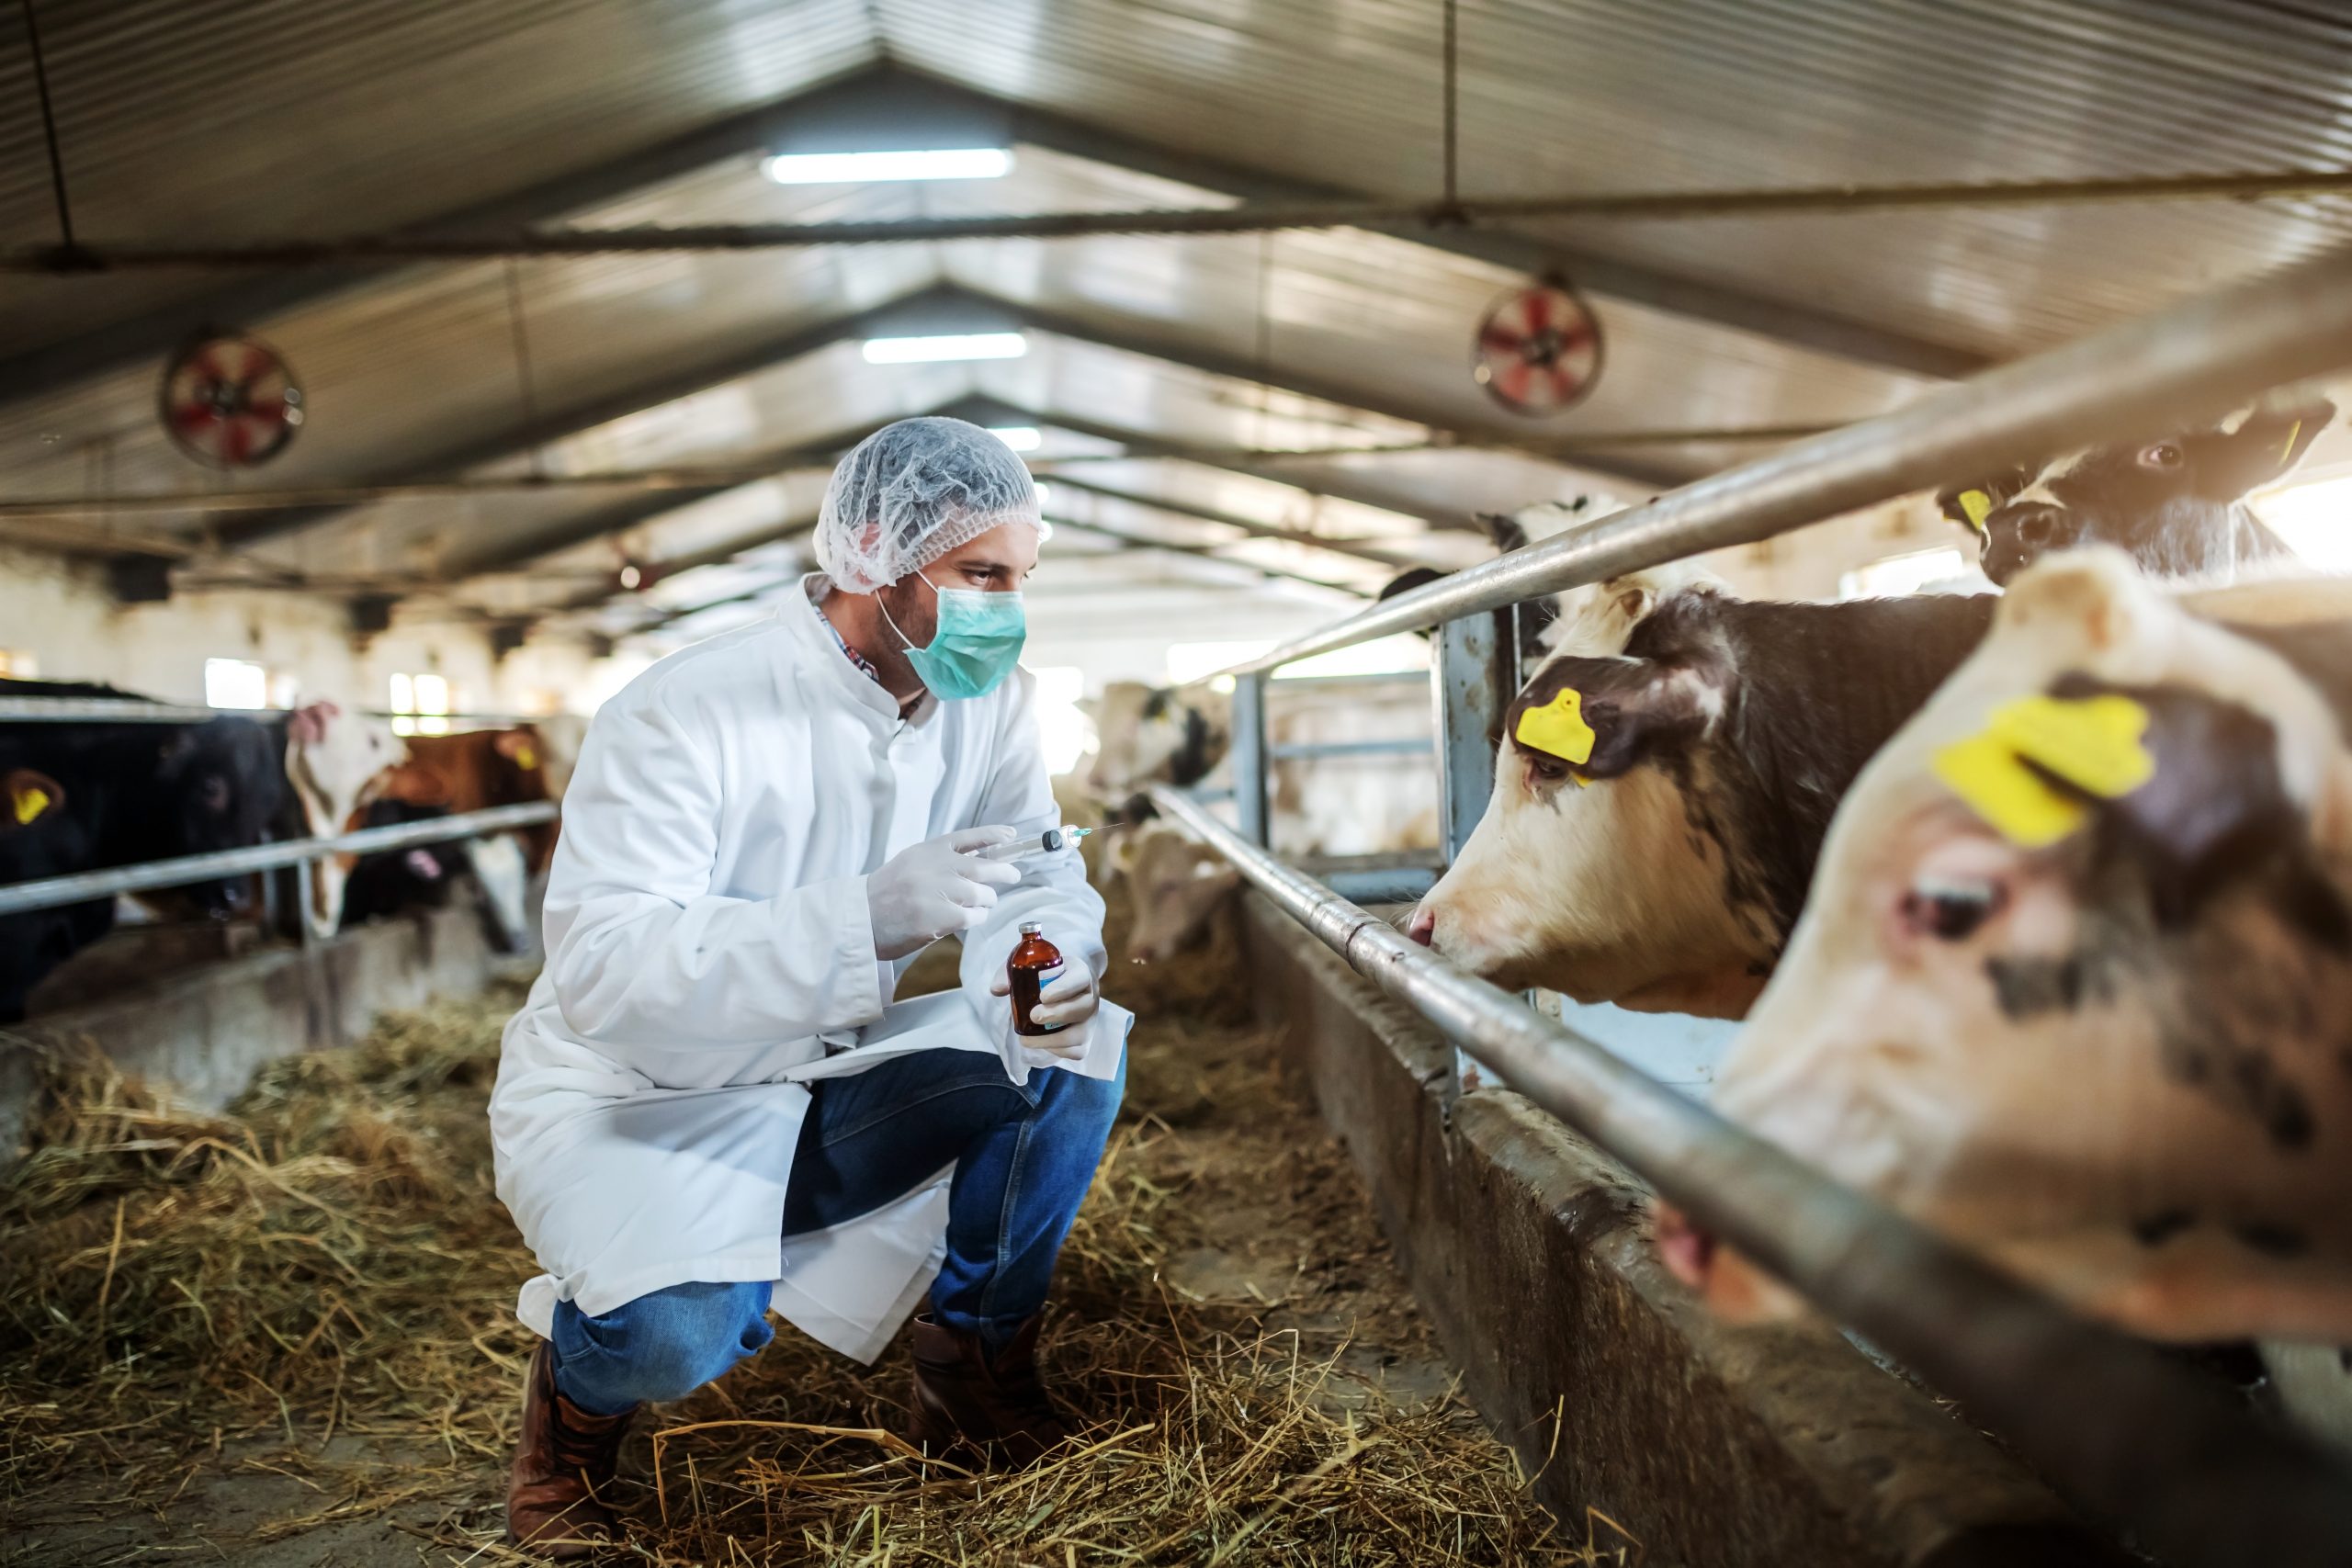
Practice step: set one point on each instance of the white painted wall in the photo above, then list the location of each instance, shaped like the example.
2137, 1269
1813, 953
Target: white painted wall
60, 613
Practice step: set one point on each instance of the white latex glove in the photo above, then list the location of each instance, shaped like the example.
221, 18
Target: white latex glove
937, 887
1070, 1001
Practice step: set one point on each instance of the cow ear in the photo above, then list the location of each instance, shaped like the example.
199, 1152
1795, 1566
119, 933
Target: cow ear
2213, 810
29, 796
520, 747
1605, 717
2266, 445
1970, 504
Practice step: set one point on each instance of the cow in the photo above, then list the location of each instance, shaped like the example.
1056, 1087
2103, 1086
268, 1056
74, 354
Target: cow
336, 762
39, 838
2175, 504
1146, 734
129, 793
1175, 888
1360, 805
1664, 780
390, 882
2075, 983
474, 772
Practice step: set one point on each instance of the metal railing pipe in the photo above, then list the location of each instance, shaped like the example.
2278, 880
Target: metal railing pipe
110, 710
138, 710
76, 887
2131, 1439
2151, 375
1403, 746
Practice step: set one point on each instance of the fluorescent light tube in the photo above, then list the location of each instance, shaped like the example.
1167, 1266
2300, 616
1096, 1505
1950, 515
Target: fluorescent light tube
955, 346
858, 168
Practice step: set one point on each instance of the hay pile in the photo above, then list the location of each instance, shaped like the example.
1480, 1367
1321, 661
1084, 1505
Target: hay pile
318, 1285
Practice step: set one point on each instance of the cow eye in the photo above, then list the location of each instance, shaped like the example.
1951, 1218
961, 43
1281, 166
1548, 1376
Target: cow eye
1950, 911
1544, 766
2162, 454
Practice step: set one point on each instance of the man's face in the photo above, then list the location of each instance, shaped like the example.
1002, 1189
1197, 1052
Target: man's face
999, 561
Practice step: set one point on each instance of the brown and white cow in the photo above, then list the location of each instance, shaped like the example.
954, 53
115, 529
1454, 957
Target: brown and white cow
1654, 823
474, 772
2074, 985
336, 762
1175, 888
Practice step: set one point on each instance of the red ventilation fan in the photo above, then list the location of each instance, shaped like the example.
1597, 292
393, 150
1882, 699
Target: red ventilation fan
229, 401
1538, 350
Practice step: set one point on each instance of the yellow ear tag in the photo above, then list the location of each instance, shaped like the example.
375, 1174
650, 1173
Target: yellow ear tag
2094, 743
1986, 774
1978, 507
31, 804
2289, 450
527, 758
1558, 727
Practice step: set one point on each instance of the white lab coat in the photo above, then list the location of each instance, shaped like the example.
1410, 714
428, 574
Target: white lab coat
710, 952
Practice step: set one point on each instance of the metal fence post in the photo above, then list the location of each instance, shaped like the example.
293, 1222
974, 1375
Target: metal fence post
1472, 682
1250, 757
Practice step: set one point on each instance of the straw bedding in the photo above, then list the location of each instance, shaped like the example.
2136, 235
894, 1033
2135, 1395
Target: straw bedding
306, 1302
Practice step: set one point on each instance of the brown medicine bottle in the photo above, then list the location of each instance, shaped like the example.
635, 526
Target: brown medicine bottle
1035, 964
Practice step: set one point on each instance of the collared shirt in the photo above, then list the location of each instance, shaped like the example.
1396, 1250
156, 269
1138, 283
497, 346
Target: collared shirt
842, 643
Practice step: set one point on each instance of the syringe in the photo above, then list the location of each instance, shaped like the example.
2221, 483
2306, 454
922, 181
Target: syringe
1065, 837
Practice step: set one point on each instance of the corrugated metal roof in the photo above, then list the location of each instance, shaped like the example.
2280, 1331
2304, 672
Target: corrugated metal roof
265, 116
272, 117
1624, 95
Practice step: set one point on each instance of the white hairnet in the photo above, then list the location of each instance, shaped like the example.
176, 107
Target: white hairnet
911, 493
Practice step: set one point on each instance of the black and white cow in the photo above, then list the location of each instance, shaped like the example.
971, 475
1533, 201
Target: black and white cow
1664, 780
2175, 505
39, 838
390, 882
128, 794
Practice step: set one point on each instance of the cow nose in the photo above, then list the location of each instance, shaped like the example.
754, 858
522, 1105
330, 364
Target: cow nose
2036, 524
1688, 1252
1423, 928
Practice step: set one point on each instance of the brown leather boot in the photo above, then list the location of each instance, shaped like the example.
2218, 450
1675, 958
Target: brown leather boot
970, 1401
563, 1466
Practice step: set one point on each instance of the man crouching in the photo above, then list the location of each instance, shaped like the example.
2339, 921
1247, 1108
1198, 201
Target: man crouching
710, 1105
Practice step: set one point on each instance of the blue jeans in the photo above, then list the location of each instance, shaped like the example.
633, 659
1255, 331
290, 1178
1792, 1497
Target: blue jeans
1024, 1155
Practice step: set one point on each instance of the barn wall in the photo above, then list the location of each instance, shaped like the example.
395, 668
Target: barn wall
62, 613
1715, 1446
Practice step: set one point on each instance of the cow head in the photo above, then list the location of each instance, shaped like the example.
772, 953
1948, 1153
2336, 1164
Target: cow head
1147, 735
2072, 984
222, 784
1592, 871
2174, 504
1175, 888
520, 773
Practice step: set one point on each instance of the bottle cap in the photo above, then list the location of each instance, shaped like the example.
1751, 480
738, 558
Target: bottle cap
1031, 927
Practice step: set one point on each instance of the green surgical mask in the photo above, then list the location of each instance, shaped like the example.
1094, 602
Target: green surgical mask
976, 645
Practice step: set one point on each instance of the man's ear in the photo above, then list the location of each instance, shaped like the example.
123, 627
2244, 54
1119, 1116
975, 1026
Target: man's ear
27, 796
1970, 504
2214, 811
2263, 449
1606, 717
